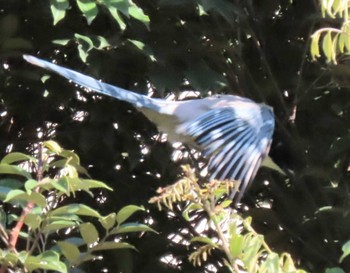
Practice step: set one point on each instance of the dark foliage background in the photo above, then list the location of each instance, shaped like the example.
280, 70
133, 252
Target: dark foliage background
258, 49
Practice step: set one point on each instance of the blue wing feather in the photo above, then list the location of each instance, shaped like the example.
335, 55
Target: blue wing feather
235, 146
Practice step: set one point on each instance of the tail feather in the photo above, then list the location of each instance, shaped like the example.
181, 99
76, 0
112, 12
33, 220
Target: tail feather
137, 100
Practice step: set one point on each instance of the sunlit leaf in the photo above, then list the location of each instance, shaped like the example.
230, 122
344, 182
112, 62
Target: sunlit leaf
19, 195
58, 9
89, 233
112, 245
10, 169
132, 227
69, 250
54, 226
32, 220
16, 157
327, 46
346, 251
109, 221
204, 240
49, 260
88, 8
124, 213
79, 209
52, 146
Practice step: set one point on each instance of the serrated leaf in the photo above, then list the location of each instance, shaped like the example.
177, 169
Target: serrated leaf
315, 49
112, 245
69, 250
89, 233
124, 213
89, 9
132, 227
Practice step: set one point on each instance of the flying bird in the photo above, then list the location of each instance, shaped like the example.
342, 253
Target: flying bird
232, 132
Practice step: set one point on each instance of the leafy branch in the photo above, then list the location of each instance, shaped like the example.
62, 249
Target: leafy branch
242, 247
43, 216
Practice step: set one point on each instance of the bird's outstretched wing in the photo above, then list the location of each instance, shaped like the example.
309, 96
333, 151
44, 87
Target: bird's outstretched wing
235, 146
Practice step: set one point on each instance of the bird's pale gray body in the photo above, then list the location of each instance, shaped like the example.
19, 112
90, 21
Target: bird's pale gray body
234, 133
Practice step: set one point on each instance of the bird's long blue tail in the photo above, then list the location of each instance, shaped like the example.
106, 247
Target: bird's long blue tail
137, 100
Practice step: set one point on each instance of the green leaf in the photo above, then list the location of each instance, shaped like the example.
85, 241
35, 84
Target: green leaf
79, 209
138, 14
236, 245
251, 247
19, 195
53, 146
120, 5
49, 260
9, 169
58, 9
271, 264
109, 221
204, 240
69, 250
140, 45
92, 184
57, 225
16, 157
132, 227
346, 251
62, 42
315, 50
32, 220
89, 9
341, 42
117, 18
190, 208
124, 213
30, 184
335, 270
327, 46
103, 42
89, 233
269, 163
112, 245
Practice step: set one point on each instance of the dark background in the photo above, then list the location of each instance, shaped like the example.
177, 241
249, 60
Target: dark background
257, 49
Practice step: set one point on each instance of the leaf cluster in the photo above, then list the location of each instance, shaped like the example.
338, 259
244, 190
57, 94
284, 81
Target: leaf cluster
232, 235
56, 236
